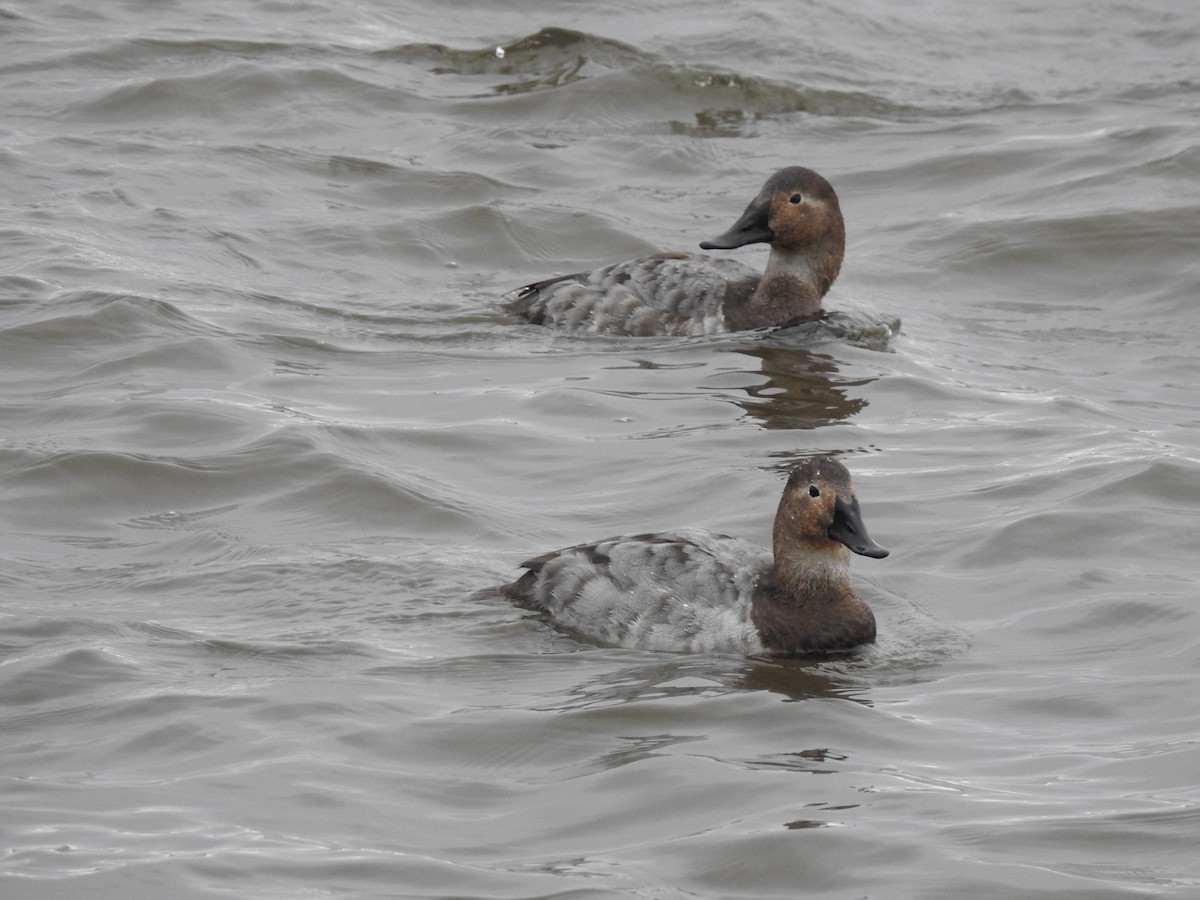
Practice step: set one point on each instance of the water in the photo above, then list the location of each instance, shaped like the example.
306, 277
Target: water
265, 433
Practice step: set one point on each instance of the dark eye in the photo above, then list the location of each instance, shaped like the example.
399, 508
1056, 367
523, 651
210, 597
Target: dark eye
796, 198
812, 491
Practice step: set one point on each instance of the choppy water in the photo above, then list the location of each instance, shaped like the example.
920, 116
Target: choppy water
264, 433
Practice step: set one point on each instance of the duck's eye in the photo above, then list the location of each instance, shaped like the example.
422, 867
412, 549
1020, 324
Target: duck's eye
796, 198
813, 491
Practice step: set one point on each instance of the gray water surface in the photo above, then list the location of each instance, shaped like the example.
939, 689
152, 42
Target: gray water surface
264, 433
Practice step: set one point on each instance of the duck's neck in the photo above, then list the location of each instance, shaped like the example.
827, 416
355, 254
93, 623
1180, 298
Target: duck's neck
791, 288
809, 575
808, 605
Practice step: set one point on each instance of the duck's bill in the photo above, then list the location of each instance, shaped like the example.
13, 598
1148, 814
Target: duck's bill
848, 528
751, 228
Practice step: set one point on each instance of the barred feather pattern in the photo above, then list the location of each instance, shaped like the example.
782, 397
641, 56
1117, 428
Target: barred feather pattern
672, 294
688, 590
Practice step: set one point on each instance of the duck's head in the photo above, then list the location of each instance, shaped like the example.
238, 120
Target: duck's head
820, 510
796, 211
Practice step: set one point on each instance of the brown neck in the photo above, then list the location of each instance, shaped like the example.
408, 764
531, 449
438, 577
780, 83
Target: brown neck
791, 289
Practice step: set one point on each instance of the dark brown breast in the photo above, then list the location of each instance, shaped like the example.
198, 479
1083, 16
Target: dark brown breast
813, 626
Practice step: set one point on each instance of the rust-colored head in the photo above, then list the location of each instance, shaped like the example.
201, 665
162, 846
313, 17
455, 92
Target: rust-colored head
796, 209
819, 511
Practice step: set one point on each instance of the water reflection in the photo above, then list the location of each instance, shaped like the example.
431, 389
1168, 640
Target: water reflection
804, 679
802, 389
673, 676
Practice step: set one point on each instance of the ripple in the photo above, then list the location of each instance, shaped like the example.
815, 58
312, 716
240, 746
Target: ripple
265, 434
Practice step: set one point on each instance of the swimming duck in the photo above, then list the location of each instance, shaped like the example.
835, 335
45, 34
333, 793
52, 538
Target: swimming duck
694, 591
796, 212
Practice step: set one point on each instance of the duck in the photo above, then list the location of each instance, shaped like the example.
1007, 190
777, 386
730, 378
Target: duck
796, 212
694, 591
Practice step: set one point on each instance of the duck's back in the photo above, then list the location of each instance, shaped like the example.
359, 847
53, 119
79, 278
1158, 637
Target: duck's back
672, 293
687, 590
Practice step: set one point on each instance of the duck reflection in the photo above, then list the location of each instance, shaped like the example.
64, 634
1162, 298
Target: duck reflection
806, 679
803, 389
701, 676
